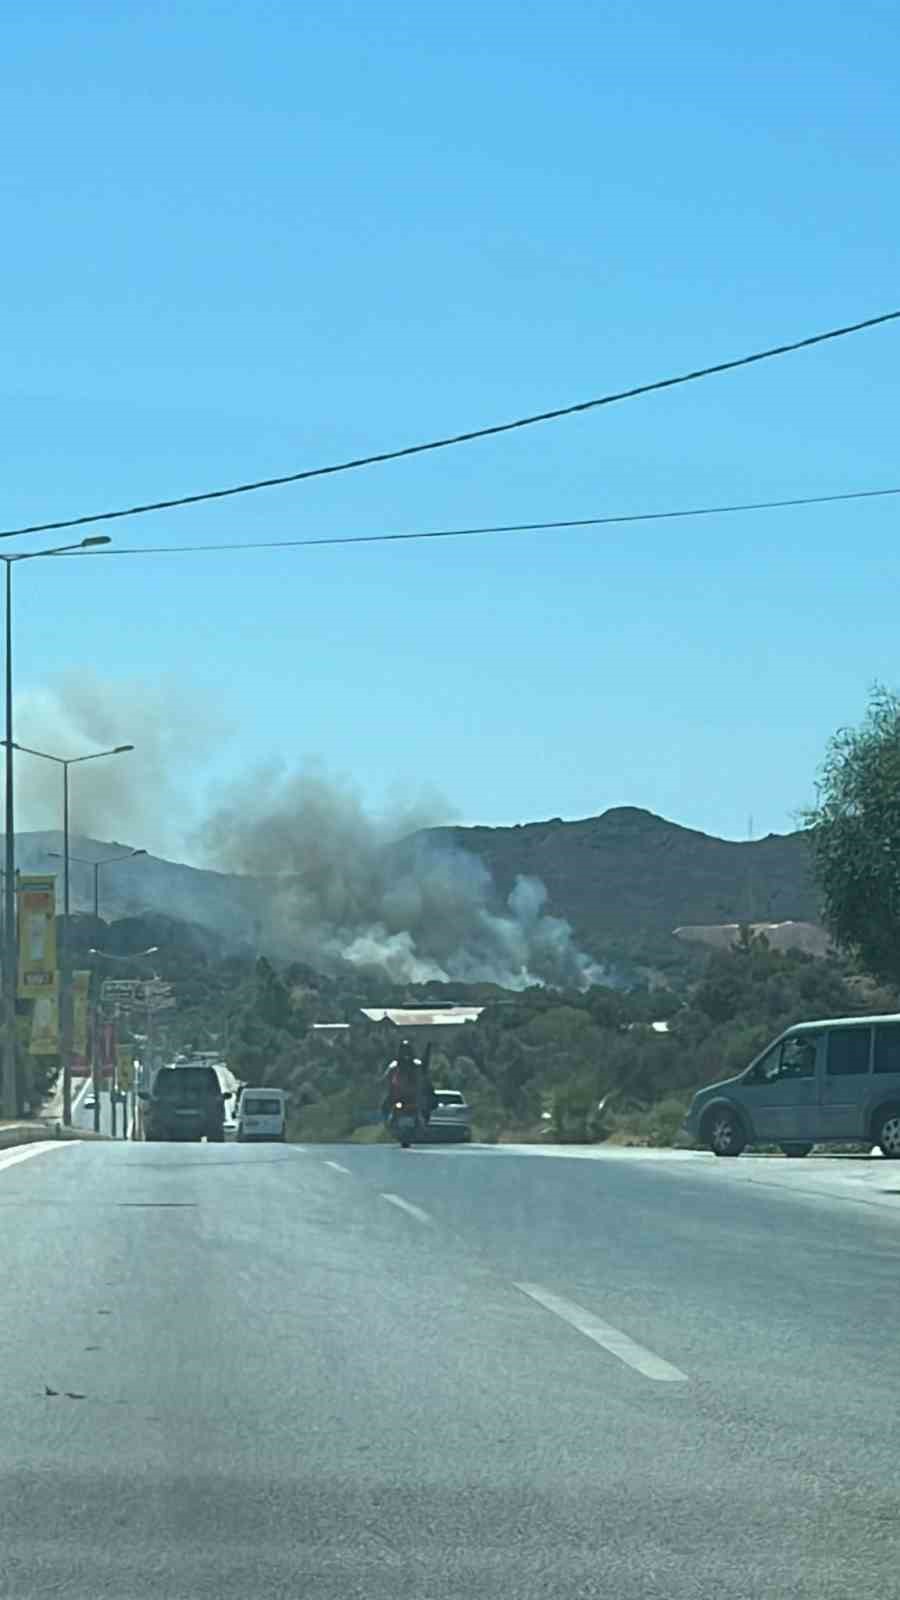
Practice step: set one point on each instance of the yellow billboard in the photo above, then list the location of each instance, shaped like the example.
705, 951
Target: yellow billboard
45, 1024
81, 988
37, 935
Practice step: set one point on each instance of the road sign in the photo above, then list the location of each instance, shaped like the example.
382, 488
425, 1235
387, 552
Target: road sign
120, 988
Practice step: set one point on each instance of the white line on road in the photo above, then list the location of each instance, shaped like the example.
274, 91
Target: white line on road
76, 1103
336, 1165
25, 1151
411, 1210
618, 1344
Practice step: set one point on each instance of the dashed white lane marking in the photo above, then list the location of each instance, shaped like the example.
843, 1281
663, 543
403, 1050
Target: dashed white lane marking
411, 1210
336, 1165
26, 1151
617, 1343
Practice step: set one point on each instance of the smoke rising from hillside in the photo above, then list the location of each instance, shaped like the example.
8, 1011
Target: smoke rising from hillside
340, 887
346, 891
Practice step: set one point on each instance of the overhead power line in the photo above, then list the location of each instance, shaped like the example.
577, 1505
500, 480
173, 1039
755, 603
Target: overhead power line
502, 527
453, 439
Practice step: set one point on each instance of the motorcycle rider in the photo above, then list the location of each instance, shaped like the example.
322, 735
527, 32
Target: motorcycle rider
409, 1081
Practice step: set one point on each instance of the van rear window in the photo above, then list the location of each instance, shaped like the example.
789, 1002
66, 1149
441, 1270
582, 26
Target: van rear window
887, 1049
173, 1082
260, 1108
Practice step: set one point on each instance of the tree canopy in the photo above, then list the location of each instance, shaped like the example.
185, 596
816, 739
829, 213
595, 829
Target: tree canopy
856, 836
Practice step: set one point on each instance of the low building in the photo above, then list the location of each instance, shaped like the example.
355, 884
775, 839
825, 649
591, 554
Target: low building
422, 1024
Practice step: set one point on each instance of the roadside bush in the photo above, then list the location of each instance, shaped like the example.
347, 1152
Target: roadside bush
655, 1128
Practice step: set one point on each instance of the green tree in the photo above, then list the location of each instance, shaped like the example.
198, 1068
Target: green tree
856, 836
273, 1001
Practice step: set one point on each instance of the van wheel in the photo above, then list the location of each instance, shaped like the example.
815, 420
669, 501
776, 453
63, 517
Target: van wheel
723, 1132
796, 1149
887, 1132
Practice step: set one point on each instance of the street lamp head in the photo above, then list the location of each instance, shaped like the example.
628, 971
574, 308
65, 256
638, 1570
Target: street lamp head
96, 538
137, 955
121, 749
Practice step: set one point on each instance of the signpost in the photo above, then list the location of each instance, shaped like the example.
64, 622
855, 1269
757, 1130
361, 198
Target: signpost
119, 989
125, 1080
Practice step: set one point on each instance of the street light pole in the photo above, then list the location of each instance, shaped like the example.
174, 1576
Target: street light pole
105, 861
139, 955
65, 975
64, 1021
9, 1096
10, 954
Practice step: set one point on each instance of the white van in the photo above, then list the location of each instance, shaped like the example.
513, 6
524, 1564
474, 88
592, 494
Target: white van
834, 1081
261, 1115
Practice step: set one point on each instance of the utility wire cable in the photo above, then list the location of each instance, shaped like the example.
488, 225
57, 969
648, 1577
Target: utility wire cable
506, 527
454, 439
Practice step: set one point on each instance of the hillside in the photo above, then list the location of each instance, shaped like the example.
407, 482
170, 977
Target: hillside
625, 875
630, 872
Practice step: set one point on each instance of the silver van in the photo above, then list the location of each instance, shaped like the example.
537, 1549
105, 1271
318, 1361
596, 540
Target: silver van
261, 1115
821, 1082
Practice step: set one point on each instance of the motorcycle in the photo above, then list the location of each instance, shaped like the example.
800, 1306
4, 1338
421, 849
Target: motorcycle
403, 1123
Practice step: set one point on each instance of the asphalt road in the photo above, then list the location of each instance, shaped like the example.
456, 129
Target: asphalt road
316, 1372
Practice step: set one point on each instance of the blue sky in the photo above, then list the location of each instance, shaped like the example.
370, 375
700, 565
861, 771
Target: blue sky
242, 239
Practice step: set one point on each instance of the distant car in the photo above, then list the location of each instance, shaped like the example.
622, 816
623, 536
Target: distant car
90, 1102
451, 1117
261, 1115
186, 1102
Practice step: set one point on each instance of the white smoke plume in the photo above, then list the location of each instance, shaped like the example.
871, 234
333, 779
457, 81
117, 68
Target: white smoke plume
142, 797
344, 890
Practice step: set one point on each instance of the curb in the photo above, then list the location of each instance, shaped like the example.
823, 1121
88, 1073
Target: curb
17, 1133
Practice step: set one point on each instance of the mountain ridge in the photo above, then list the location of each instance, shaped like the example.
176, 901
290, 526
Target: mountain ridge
622, 873
627, 870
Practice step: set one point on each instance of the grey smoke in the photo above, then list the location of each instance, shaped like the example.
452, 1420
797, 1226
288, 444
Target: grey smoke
334, 883
144, 797
345, 890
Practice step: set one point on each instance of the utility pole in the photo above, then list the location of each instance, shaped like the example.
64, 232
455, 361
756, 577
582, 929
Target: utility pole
139, 955
65, 965
10, 953
10, 964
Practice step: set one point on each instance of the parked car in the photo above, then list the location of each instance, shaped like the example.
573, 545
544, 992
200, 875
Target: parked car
185, 1102
836, 1081
451, 1117
261, 1115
